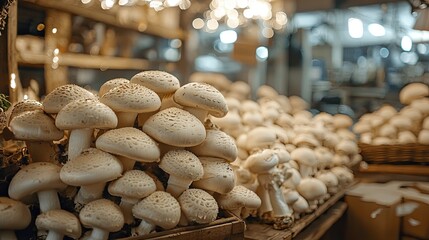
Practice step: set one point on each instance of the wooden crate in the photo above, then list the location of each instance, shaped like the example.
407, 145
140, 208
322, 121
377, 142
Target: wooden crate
228, 228
395, 153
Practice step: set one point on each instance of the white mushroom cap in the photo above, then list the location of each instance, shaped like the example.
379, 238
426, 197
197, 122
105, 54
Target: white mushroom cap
425, 123
24, 106
198, 206
376, 121
233, 104
305, 140
249, 105
86, 113
216, 144
300, 205
406, 137
347, 147
252, 119
202, 96
35, 177
14, 214
59, 221
331, 140
412, 113
304, 156
387, 130
183, 167
160, 209
412, 91
285, 120
218, 176
175, 127
260, 137
102, 214
239, 197
63, 95
159, 81
311, 188
261, 161
112, 83
240, 90
266, 91
131, 98
284, 103
134, 184
421, 104
92, 166
423, 137
328, 178
298, 103
401, 122
282, 154
342, 121
387, 112
382, 141
35, 126
362, 127
129, 142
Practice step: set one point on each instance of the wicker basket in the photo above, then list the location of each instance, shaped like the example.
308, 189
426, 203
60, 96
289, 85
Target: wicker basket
405, 153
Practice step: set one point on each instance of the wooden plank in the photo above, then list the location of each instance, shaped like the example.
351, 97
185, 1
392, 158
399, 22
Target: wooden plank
14, 93
86, 61
109, 17
398, 169
321, 225
256, 231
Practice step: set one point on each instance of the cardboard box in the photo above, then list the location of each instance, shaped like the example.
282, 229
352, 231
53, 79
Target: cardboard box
416, 224
372, 212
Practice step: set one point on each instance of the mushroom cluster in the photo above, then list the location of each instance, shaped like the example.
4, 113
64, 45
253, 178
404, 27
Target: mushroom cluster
293, 160
141, 156
407, 125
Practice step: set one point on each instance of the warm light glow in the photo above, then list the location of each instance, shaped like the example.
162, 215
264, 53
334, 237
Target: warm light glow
86, 1
228, 36
232, 22
107, 4
12, 81
175, 43
406, 43
281, 18
123, 2
55, 59
212, 24
376, 30
56, 51
172, 3
54, 30
267, 32
355, 26
25, 97
198, 23
40, 27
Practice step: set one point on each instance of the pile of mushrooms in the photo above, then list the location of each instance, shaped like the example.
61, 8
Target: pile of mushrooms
293, 160
406, 125
142, 153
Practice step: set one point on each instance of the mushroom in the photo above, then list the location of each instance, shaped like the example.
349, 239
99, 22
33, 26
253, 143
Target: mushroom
421, 104
266, 91
298, 103
413, 91
260, 138
183, 168
59, 223
14, 215
343, 174
112, 83
127, 101
423, 137
387, 130
201, 99
218, 176
158, 209
129, 145
347, 147
401, 122
387, 112
103, 216
324, 157
38, 130
240, 201
406, 137
90, 170
197, 207
239, 90
24, 106
306, 159
342, 121
81, 117
330, 180
290, 195
41, 178
133, 186
175, 127
63, 95
218, 80
312, 189
300, 206
216, 144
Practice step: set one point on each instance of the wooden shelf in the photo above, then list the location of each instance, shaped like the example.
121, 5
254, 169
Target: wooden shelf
264, 231
93, 11
398, 169
85, 61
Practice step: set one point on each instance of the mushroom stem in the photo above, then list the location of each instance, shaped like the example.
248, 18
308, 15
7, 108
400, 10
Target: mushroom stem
199, 113
262, 192
8, 235
98, 234
54, 235
126, 119
79, 140
143, 228
89, 193
126, 206
167, 101
176, 185
142, 117
280, 207
48, 200
236, 212
127, 163
41, 151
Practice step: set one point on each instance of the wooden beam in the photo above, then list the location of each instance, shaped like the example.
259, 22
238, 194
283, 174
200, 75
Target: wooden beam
398, 169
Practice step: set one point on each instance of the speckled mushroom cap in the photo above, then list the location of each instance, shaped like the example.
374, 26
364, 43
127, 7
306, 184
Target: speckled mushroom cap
131, 98
103, 214
90, 167
60, 221
134, 184
24, 106
35, 177
183, 164
86, 113
304, 156
175, 127
240, 196
217, 144
198, 206
112, 83
14, 214
160, 208
35, 126
159, 81
261, 161
260, 137
203, 96
218, 176
129, 142
62, 95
